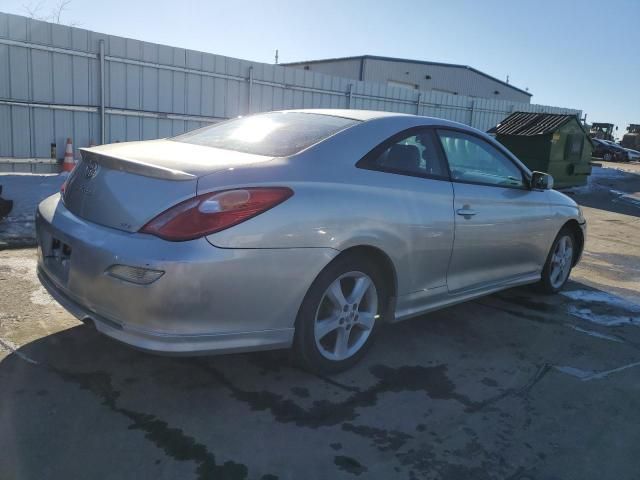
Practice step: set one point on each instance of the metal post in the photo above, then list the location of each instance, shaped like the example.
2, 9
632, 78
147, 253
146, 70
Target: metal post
418, 103
473, 106
250, 89
349, 95
102, 73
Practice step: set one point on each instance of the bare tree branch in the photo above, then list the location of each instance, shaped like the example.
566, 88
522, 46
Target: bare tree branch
58, 10
33, 10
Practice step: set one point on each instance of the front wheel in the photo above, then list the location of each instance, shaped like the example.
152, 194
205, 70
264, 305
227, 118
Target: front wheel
340, 315
607, 157
559, 263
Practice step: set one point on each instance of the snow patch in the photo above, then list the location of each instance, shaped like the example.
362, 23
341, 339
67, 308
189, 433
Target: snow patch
630, 314
599, 174
609, 172
26, 191
602, 319
602, 297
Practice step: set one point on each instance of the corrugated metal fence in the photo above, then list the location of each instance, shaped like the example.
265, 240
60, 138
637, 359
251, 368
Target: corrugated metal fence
58, 82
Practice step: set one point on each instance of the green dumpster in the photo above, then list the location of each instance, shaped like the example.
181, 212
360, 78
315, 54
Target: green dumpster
548, 142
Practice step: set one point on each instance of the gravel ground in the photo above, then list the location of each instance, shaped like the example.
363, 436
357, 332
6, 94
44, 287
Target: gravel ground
511, 386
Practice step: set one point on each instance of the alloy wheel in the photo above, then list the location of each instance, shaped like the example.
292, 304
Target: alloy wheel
346, 316
561, 261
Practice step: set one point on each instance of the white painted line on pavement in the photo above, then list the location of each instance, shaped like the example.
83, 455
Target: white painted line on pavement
595, 334
11, 347
585, 376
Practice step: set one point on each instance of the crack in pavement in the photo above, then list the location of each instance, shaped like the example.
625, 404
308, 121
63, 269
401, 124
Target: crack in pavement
521, 391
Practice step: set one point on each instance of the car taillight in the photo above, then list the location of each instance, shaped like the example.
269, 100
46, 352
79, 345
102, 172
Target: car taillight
213, 212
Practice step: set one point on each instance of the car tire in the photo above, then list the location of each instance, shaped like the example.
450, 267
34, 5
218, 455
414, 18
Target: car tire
607, 157
320, 347
559, 263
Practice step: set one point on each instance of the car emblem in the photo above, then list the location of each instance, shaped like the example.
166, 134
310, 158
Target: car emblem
91, 170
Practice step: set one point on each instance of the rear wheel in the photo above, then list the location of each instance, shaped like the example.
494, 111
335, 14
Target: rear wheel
559, 262
340, 315
607, 157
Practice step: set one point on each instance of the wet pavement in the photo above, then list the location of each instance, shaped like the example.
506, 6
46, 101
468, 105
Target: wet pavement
512, 386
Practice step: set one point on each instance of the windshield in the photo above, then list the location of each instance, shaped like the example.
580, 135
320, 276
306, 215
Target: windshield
276, 134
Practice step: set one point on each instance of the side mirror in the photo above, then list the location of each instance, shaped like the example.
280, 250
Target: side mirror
541, 181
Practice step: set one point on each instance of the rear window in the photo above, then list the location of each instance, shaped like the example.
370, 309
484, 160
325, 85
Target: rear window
277, 134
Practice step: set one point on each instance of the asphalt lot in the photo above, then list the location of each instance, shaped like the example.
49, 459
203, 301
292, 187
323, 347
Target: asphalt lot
511, 386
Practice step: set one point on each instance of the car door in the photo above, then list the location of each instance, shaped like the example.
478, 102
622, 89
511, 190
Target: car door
501, 225
413, 179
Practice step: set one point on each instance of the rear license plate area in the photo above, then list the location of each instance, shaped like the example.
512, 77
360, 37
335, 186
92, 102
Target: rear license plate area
57, 258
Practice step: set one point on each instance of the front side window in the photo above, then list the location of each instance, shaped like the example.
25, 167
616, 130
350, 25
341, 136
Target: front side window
413, 153
474, 160
275, 134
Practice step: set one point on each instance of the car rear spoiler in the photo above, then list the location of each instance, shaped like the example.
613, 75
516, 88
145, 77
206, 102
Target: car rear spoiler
134, 166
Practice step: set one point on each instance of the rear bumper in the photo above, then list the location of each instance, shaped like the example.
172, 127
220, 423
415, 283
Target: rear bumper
209, 300
176, 344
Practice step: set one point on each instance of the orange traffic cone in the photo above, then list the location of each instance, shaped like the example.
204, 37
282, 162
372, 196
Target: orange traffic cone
68, 163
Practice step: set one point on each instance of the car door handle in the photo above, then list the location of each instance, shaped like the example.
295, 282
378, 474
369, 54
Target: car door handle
466, 212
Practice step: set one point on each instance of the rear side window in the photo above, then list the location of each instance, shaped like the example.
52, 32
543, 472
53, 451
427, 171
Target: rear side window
275, 134
413, 152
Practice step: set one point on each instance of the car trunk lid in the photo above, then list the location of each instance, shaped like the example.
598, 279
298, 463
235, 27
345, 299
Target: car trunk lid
125, 185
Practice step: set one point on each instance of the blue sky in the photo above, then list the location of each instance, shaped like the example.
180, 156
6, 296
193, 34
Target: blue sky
578, 54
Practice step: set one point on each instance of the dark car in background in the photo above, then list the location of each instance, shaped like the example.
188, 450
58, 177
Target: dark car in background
634, 155
631, 155
609, 151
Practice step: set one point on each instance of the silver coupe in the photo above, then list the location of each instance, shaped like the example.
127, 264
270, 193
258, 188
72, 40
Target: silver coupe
304, 229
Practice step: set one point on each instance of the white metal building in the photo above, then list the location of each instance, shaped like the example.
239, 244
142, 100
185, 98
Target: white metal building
418, 75
58, 82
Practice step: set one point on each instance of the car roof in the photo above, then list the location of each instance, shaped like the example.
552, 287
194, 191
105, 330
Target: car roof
370, 115
362, 115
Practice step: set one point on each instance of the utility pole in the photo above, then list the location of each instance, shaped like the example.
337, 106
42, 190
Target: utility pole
276, 56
